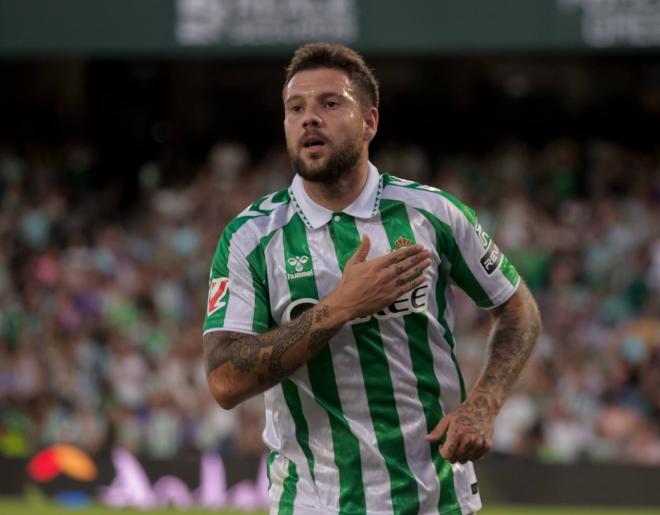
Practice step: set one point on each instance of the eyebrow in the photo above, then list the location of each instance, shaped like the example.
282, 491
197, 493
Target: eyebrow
321, 96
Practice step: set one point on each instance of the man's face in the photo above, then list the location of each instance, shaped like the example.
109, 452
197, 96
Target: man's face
326, 128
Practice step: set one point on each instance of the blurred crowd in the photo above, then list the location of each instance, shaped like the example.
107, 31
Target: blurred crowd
101, 304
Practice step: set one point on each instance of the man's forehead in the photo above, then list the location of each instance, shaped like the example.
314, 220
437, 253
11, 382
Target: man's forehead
319, 81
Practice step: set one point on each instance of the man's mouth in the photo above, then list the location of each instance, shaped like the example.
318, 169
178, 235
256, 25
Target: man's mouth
313, 143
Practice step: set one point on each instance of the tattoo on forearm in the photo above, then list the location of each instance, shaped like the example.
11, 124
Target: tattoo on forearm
511, 344
321, 314
264, 353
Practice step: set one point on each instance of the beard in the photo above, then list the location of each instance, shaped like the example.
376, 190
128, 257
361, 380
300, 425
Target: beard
339, 163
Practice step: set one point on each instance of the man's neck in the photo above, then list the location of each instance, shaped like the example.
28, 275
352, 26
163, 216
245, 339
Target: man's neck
341, 193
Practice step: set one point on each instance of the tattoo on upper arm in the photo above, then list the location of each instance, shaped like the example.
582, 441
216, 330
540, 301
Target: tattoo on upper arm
265, 352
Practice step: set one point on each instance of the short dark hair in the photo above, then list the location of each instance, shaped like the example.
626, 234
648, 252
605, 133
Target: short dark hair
329, 55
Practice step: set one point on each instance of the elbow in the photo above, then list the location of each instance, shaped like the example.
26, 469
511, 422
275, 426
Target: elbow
226, 397
226, 402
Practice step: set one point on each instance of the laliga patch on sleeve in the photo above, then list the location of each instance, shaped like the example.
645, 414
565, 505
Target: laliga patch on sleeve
492, 258
217, 291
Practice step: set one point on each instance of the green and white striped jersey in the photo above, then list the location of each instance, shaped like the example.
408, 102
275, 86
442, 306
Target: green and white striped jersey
347, 430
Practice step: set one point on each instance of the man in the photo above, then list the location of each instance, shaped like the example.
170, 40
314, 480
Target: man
334, 298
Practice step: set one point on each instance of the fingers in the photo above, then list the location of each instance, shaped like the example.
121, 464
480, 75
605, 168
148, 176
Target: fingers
395, 257
362, 251
450, 446
459, 446
439, 430
468, 448
408, 272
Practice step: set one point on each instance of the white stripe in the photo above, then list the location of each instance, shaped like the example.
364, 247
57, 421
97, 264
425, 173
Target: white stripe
279, 435
278, 286
445, 369
409, 408
320, 442
241, 305
350, 383
216, 329
278, 472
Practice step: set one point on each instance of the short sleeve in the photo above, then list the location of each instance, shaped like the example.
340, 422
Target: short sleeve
478, 266
238, 294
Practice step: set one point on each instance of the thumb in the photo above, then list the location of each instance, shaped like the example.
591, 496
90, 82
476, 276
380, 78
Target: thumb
439, 430
362, 251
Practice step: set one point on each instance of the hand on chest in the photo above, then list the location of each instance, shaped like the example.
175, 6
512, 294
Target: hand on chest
310, 268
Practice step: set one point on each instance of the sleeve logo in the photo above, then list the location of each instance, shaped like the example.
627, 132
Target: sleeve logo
217, 291
492, 258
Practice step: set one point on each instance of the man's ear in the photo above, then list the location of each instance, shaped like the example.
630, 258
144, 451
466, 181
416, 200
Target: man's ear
370, 123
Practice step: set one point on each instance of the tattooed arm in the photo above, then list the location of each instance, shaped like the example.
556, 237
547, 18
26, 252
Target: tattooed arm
469, 428
240, 365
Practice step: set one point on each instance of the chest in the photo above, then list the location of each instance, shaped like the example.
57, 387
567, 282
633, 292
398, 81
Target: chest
305, 266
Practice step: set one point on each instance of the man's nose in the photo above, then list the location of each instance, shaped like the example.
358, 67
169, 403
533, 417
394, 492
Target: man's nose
312, 120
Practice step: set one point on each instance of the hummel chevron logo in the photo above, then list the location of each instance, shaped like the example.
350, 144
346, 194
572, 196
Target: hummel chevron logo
298, 263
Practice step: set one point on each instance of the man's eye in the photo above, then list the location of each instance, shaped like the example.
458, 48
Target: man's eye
295, 109
331, 104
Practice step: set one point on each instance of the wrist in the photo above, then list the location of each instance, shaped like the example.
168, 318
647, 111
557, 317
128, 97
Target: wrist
490, 399
339, 314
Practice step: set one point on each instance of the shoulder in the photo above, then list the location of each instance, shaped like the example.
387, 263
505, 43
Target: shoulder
258, 220
429, 199
262, 213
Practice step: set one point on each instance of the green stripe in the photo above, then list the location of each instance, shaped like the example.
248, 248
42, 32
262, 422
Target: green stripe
445, 473
397, 224
292, 399
323, 380
290, 487
378, 385
440, 287
460, 271
509, 271
271, 458
441, 231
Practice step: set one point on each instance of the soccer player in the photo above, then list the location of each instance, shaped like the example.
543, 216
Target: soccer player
334, 298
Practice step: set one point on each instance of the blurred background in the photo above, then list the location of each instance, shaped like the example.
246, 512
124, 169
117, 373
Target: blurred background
132, 132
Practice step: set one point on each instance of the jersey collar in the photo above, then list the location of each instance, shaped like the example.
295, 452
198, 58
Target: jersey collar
364, 206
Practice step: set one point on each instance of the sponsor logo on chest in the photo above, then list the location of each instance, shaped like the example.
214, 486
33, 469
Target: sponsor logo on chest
415, 301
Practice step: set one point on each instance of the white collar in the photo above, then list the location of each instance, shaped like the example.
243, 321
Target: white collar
315, 215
